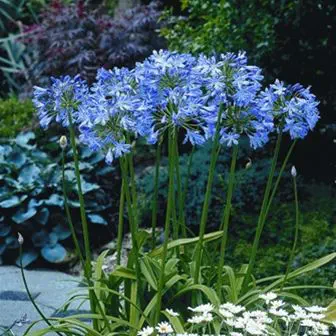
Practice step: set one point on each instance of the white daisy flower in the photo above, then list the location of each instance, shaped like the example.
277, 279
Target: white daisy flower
147, 331
203, 308
234, 309
268, 297
316, 309
171, 312
164, 328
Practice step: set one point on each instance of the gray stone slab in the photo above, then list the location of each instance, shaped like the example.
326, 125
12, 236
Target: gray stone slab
51, 290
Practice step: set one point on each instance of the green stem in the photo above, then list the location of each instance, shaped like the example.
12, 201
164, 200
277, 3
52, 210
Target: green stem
120, 222
262, 217
31, 297
277, 182
87, 268
124, 165
205, 210
171, 156
181, 214
156, 193
129, 158
296, 236
226, 219
68, 214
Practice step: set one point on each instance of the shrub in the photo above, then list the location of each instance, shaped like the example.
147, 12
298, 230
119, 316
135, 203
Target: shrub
31, 198
74, 39
15, 115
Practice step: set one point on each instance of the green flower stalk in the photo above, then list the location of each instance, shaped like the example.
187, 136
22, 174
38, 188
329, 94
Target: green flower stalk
226, 219
120, 222
156, 193
170, 201
262, 215
44, 318
63, 144
265, 214
297, 223
87, 266
205, 210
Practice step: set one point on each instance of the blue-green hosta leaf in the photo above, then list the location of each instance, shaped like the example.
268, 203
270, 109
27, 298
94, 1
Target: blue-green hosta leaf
74, 204
97, 219
54, 253
105, 170
23, 215
12, 242
43, 216
54, 200
10, 202
61, 231
51, 174
27, 258
18, 159
33, 203
5, 229
29, 174
23, 139
87, 186
70, 175
40, 156
3, 247
40, 238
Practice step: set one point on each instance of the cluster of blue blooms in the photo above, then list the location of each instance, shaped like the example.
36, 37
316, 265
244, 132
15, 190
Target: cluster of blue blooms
172, 92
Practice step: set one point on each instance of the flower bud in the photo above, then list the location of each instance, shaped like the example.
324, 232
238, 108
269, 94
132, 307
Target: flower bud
63, 141
248, 164
293, 171
20, 238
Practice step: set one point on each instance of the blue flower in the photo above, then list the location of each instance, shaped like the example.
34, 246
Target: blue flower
294, 108
61, 99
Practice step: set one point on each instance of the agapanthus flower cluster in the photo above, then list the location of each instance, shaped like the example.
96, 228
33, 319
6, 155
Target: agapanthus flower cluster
62, 98
110, 113
235, 320
294, 108
171, 92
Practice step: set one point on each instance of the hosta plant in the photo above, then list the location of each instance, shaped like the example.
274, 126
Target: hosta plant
219, 100
31, 197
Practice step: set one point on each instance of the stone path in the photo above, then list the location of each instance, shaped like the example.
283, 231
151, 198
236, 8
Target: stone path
50, 289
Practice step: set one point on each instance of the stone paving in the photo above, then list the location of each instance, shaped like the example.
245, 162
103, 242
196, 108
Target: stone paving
50, 290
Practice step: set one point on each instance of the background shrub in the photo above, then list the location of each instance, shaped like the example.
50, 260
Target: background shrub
76, 39
15, 115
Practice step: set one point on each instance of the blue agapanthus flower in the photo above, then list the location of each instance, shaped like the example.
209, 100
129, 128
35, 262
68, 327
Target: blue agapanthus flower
172, 94
294, 108
56, 102
111, 113
232, 85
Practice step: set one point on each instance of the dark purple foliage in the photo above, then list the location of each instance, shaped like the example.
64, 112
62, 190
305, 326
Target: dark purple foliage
74, 39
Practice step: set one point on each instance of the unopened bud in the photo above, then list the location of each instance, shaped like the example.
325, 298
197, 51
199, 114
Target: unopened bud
63, 141
20, 238
248, 164
293, 171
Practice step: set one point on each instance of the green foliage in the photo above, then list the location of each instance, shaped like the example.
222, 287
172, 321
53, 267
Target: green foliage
221, 26
15, 115
31, 198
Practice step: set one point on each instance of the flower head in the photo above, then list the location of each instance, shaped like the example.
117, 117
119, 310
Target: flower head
294, 108
164, 328
147, 331
60, 100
